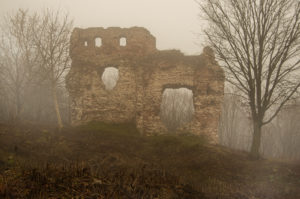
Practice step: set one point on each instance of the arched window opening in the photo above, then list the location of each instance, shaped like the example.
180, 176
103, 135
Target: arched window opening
110, 77
177, 107
98, 42
123, 41
85, 43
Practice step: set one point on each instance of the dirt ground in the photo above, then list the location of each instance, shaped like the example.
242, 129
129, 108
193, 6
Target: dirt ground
114, 161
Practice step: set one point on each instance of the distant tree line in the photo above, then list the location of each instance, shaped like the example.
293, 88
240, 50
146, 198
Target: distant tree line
280, 138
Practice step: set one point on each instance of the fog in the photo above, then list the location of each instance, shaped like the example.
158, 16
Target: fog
174, 23
101, 113
27, 88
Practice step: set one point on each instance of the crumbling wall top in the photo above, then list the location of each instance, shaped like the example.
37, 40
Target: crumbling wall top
91, 42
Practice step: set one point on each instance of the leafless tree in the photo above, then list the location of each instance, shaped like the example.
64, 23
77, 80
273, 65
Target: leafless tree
280, 137
233, 123
257, 43
51, 38
34, 57
17, 58
177, 107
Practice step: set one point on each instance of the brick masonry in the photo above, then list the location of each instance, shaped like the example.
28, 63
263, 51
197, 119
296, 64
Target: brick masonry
144, 73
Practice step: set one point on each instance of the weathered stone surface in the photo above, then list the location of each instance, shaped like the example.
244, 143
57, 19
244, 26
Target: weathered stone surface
144, 73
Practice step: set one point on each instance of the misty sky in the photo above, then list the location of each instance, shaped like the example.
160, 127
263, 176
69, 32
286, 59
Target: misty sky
174, 23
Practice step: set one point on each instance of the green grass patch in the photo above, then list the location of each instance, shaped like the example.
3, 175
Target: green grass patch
101, 127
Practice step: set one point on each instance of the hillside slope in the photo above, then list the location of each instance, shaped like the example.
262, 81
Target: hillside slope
114, 161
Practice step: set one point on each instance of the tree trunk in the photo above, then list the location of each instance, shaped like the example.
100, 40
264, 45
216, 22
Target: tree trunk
58, 116
256, 139
18, 107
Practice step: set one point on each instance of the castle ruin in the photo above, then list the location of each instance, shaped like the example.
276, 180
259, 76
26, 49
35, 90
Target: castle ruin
144, 74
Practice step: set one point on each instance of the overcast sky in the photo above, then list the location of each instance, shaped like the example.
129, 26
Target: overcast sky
174, 23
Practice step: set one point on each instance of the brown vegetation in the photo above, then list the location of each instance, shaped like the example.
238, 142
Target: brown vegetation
107, 159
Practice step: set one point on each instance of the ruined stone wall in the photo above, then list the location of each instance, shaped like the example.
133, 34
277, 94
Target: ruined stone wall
144, 73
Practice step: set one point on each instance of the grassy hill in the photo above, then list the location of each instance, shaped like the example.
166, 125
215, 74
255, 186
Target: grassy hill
114, 161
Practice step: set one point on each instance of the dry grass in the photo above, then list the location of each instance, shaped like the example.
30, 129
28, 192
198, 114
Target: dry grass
215, 171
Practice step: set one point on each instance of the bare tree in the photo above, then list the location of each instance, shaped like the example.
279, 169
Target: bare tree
17, 57
280, 137
257, 43
177, 107
233, 123
33, 61
51, 38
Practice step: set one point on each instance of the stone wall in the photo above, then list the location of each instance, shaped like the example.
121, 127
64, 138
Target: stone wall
144, 73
